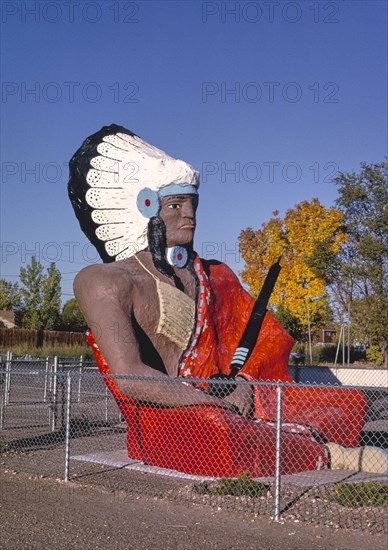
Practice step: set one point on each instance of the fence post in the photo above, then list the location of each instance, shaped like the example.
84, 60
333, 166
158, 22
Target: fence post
7, 381
279, 405
67, 426
50, 378
1, 410
46, 380
80, 377
62, 399
54, 395
106, 404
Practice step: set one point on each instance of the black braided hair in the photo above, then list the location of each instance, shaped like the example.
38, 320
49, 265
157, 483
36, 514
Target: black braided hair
157, 244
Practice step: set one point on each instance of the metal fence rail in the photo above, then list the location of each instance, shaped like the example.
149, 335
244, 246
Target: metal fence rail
58, 418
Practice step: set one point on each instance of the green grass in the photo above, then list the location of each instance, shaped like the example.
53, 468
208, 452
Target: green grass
241, 486
358, 495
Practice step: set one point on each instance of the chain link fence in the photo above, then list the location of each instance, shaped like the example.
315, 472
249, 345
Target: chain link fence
59, 419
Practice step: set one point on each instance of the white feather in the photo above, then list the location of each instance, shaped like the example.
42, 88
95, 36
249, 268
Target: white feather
112, 152
111, 216
108, 232
107, 198
124, 166
107, 164
97, 178
118, 142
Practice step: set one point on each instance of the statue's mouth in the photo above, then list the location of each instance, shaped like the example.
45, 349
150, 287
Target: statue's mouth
188, 226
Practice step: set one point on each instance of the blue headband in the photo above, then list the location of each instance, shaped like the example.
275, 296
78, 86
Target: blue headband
148, 201
177, 189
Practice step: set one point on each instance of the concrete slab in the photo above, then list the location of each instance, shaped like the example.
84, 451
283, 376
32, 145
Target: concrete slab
119, 459
380, 425
327, 477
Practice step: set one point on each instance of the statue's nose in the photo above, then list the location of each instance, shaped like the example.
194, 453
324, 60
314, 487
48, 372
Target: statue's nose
188, 210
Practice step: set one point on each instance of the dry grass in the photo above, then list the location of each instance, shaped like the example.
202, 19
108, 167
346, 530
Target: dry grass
75, 350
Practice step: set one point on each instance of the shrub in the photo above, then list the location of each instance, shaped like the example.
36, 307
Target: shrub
241, 486
325, 353
357, 354
374, 356
357, 495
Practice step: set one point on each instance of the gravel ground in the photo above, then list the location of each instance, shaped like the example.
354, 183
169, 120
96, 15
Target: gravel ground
302, 505
41, 513
168, 508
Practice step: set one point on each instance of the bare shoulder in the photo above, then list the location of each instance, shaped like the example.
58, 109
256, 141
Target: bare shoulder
108, 278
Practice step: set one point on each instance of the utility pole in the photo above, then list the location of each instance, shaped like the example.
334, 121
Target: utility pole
349, 334
309, 331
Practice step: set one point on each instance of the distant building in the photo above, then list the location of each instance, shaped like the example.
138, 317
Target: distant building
8, 318
327, 335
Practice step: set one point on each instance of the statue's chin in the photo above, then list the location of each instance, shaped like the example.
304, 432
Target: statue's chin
184, 238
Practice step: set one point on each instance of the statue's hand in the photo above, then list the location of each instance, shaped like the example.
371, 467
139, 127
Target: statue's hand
242, 398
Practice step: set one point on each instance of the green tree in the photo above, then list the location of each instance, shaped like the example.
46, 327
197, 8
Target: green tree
309, 238
72, 317
32, 279
10, 296
41, 295
50, 311
362, 280
292, 324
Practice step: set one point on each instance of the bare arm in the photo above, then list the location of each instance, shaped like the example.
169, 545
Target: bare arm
109, 315
242, 398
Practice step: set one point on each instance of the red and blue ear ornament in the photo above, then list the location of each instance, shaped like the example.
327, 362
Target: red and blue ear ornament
148, 202
177, 256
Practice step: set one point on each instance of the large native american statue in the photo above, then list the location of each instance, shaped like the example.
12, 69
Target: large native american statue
156, 309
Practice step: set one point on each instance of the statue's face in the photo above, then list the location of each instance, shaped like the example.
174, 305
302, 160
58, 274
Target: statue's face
178, 214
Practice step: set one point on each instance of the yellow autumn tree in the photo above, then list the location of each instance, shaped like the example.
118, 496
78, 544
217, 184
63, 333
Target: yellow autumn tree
308, 239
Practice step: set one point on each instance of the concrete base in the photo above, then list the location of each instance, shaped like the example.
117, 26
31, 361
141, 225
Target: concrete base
119, 459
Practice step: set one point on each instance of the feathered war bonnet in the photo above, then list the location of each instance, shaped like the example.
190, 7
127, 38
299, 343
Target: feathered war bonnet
115, 186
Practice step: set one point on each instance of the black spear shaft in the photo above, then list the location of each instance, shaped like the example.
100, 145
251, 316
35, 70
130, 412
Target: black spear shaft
250, 335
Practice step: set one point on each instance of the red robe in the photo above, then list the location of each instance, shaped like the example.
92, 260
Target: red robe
208, 440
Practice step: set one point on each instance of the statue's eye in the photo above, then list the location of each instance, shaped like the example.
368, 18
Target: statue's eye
174, 205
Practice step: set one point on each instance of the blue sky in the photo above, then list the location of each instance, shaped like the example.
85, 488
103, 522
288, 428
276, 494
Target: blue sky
267, 100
